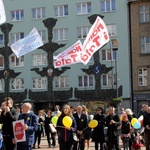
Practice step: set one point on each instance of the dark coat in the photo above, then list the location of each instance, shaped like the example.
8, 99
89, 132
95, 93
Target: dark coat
81, 122
146, 121
6, 120
98, 131
47, 121
32, 121
113, 128
64, 134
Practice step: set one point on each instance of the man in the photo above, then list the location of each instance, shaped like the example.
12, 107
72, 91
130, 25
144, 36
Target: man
57, 111
9, 114
30, 126
146, 124
113, 122
81, 120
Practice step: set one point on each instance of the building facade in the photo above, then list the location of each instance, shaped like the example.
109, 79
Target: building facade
61, 24
140, 51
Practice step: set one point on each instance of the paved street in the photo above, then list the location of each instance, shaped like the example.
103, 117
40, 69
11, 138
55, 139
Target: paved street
44, 145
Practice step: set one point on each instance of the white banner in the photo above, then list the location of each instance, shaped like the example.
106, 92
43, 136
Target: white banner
96, 38
2, 13
29, 43
69, 56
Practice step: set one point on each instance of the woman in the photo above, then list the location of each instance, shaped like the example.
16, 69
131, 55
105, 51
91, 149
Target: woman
88, 131
125, 130
65, 134
130, 116
98, 132
40, 129
47, 129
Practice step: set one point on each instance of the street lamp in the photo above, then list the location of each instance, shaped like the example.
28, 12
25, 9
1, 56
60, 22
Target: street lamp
115, 45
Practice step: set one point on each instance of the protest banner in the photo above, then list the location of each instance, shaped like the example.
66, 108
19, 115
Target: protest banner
96, 38
29, 43
18, 130
69, 56
2, 13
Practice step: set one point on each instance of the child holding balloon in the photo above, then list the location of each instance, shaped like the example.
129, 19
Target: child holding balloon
66, 125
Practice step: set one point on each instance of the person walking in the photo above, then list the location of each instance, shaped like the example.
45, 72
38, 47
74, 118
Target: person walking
8, 115
88, 131
39, 131
98, 131
48, 132
113, 122
30, 126
65, 134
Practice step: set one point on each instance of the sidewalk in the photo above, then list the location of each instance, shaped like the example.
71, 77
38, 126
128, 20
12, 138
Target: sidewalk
44, 145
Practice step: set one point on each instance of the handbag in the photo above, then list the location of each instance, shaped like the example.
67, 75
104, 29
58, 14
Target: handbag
75, 138
52, 128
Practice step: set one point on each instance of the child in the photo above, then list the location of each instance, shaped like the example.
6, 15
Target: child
136, 144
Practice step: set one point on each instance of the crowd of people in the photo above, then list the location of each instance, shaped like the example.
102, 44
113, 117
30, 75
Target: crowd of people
111, 126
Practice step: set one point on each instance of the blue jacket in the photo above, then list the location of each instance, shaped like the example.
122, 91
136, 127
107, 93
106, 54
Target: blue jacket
32, 121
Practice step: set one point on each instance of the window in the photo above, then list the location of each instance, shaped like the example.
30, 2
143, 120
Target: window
62, 82
108, 80
16, 36
86, 81
1, 39
1, 61
39, 83
83, 8
17, 15
82, 32
142, 79
112, 30
60, 34
39, 59
145, 45
43, 35
61, 11
1, 85
17, 62
108, 5
108, 55
38, 13
17, 84
144, 14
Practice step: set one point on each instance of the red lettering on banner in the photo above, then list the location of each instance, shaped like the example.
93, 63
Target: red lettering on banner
77, 49
88, 53
95, 40
68, 61
105, 36
99, 27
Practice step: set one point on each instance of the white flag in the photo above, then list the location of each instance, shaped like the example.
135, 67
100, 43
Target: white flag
2, 13
69, 56
96, 38
29, 43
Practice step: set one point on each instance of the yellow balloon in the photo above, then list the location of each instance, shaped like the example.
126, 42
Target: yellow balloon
54, 120
93, 123
67, 121
121, 118
133, 121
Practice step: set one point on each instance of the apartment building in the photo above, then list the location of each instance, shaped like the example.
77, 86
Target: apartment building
139, 14
33, 77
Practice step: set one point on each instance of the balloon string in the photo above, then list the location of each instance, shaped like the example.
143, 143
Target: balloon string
85, 128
